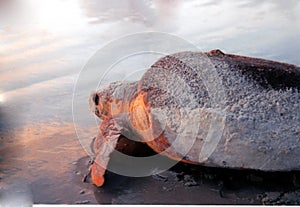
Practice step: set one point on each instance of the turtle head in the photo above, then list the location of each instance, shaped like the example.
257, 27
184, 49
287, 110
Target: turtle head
99, 105
111, 99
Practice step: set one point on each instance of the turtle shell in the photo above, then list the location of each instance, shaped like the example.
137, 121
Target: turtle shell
223, 110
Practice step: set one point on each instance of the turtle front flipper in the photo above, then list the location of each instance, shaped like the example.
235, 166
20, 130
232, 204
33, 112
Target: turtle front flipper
103, 146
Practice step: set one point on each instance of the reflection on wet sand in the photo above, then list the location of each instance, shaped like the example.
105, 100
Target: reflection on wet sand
44, 155
32, 52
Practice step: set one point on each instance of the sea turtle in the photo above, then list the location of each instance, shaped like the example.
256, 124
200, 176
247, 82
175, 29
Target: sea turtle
212, 109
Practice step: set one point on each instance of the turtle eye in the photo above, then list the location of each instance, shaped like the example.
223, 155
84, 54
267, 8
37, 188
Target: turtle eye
96, 99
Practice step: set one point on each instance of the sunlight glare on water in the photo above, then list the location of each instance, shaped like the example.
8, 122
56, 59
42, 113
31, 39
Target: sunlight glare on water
57, 15
1, 98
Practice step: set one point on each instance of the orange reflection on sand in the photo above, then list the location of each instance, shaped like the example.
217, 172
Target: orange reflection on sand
27, 41
33, 52
39, 150
13, 76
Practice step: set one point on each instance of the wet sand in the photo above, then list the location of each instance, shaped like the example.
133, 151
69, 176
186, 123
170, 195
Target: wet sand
40, 160
46, 162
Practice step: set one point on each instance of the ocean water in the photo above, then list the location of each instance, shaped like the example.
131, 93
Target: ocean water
45, 44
